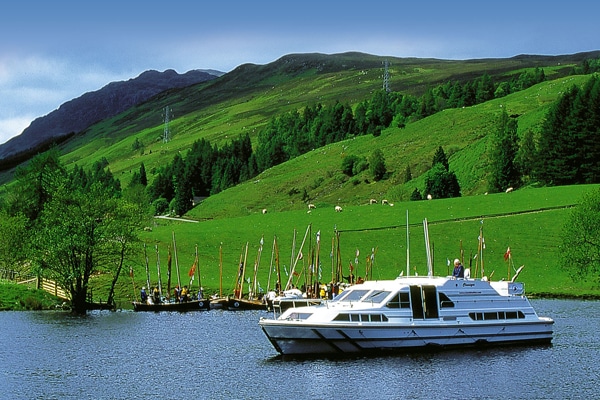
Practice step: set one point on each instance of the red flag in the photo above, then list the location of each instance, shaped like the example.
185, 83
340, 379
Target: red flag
193, 269
507, 254
351, 267
296, 273
131, 272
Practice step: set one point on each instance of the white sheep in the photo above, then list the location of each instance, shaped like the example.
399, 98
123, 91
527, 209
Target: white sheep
338, 209
264, 210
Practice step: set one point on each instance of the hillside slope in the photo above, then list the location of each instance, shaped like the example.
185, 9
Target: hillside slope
463, 133
245, 99
92, 107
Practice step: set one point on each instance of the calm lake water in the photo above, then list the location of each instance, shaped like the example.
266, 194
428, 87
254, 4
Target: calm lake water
224, 355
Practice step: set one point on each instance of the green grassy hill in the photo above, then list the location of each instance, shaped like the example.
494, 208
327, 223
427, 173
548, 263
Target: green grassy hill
528, 220
243, 100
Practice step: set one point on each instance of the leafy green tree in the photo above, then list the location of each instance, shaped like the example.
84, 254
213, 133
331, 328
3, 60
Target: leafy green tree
377, 165
416, 195
143, 176
348, 164
160, 206
580, 248
35, 184
441, 183
407, 174
504, 172
82, 232
526, 154
14, 241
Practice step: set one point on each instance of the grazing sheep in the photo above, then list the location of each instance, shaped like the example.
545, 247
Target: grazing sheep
429, 197
510, 189
338, 209
264, 210
384, 202
373, 201
311, 206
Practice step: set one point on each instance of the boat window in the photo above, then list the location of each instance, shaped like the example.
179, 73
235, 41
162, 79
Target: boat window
445, 302
299, 316
342, 317
376, 296
352, 295
479, 316
400, 300
490, 315
361, 318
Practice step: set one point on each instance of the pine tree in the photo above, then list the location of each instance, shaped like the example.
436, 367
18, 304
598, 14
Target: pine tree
377, 165
503, 168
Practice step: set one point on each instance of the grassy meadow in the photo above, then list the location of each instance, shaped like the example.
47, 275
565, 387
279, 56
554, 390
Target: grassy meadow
528, 221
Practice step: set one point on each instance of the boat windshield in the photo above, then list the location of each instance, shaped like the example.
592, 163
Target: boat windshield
376, 296
369, 296
351, 295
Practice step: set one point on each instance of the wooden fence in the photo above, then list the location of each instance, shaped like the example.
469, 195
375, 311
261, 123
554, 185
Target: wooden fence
47, 285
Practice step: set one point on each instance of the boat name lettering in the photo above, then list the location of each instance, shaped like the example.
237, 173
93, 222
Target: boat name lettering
468, 284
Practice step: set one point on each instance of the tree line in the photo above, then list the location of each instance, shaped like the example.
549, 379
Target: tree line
68, 226
207, 169
565, 150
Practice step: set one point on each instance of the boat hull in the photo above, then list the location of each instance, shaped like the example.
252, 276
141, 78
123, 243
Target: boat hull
244, 304
295, 339
194, 305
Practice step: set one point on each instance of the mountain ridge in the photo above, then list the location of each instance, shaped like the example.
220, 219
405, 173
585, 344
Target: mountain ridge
81, 112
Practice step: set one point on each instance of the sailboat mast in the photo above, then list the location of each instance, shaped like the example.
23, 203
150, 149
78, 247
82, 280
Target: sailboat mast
427, 248
176, 262
197, 264
221, 271
158, 270
243, 272
293, 267
278, 288
407, 246
147, 268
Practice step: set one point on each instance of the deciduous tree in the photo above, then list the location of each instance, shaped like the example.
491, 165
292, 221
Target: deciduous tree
580, 249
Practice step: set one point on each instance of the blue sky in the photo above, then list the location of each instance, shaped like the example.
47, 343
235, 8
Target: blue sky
54, 51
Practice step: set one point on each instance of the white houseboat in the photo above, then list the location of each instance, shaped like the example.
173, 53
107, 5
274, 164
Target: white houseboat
410, 313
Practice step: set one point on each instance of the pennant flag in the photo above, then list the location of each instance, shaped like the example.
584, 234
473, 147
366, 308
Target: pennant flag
296, 273
131, 272
507, 254
300, 256
318, 236
351, 267
193, 269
